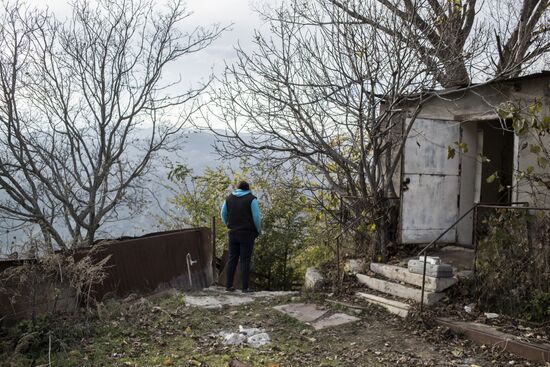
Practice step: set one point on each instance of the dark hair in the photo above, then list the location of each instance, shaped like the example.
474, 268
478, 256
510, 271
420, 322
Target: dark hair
243, 185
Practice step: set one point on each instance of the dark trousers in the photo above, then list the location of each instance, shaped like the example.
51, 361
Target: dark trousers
239, 247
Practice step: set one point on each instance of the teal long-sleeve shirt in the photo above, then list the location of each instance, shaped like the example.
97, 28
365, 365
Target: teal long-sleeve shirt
254, 206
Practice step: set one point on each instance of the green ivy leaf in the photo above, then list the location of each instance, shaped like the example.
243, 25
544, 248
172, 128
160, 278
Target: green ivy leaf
533, 148
493, 177
451, 152
371, 228
519, 125
535, 108
483, 158
542, 162
502, 113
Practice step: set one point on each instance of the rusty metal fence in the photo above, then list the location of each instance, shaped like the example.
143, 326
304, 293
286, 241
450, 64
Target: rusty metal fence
180, 259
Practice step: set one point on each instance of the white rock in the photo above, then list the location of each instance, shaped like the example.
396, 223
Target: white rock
257, 340
314, 279
434, 260
491, 315
233, 339
354, 266
250, 331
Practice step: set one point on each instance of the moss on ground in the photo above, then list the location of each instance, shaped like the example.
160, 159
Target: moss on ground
164, 332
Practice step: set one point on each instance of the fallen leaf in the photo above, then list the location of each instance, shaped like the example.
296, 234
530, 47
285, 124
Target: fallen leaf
457, 353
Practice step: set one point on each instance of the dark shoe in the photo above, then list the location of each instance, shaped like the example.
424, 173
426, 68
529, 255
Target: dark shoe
230, 289
248, 290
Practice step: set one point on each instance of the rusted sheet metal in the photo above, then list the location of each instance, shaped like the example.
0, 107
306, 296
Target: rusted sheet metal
484, 334
142, 265
180, 259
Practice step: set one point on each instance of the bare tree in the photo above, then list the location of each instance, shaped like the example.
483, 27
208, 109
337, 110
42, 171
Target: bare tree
451, 36
323, 90
84, 108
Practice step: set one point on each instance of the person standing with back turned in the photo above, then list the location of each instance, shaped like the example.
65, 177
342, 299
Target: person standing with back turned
241, 214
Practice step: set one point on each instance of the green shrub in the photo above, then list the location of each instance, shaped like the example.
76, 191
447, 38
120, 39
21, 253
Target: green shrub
513, 264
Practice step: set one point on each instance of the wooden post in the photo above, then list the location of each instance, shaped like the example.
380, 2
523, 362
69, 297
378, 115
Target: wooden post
214, 273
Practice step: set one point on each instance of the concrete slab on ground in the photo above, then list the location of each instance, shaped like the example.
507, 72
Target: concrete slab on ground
258, 294
218, 297
217, 301
304, 312
397, 308
312, 314
503, 342
334, 320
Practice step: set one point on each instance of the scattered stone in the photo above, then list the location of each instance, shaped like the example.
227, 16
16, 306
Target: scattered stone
354, 266
304, 312
434, 260
254, 337
314, 280
250, 331
490, 315
258, 340
216, 301
334, 320
233, 338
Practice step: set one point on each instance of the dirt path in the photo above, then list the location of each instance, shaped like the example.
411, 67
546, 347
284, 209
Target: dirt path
167, 332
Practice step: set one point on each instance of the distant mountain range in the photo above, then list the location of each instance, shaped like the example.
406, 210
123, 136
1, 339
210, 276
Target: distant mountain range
194, 149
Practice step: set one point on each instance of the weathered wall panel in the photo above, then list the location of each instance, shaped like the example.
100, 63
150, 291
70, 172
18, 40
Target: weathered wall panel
144, 264
468, 163
429, 200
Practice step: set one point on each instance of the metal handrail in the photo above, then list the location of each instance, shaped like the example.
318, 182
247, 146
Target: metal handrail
423, 251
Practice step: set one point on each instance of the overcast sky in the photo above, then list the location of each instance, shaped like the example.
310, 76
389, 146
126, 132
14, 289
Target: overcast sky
198, 66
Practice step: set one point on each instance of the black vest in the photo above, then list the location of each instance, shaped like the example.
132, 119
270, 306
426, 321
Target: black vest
239, 214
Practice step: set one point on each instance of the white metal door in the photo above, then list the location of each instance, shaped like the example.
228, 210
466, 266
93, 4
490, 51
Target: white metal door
431, 185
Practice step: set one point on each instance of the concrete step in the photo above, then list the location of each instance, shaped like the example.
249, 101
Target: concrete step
400, 274
398, 308
399, 290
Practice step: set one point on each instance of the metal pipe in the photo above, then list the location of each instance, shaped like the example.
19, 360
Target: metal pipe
474, 237
447, 230
190, 262
513, 207
477, 205
423, 251
423, 281
214, 273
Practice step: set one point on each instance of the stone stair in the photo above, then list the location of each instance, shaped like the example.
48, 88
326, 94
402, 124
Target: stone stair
402, 288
